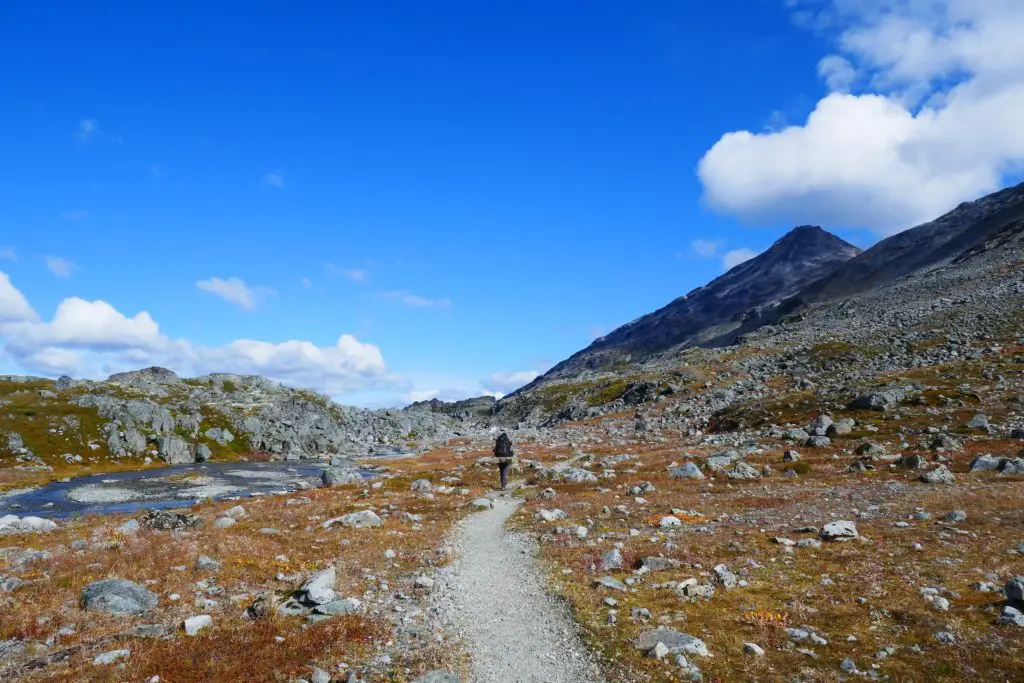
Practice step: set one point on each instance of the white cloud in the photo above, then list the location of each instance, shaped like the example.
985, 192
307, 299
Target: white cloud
353, 274
8, 254
13, 305
937, 123
234, 290
274, 179
706, 248
416, 301
59, 266
93, 339
734, 257
508, 381
712, 249
417, 395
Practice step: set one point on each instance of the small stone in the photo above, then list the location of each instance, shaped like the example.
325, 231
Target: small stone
110, 657
843, 530
194, 625
753, 649
956, 516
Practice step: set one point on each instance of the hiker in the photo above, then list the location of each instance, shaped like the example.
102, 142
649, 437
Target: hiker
504, 453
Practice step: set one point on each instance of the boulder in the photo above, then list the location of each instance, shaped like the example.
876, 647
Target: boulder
939, 475
842, 530
675, 642
194, 625
340, 476
319, 588
167, 520
174, 450
743, 470
688, 470
1012, 466
357, 520
986, 463
115, 596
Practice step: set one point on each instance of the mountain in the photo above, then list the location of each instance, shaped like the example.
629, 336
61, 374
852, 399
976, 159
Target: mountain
802, 256
926, 246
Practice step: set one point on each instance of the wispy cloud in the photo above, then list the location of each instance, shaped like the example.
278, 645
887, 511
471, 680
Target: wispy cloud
75, 215
273, 179
712, 249
235, 291
88, 130
8, 254
306, 282
415, 301
734, 257
60, 266
353, 274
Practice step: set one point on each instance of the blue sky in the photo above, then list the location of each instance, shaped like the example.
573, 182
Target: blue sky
470, 192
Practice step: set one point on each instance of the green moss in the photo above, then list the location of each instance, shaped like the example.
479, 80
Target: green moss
228, 386
608, 393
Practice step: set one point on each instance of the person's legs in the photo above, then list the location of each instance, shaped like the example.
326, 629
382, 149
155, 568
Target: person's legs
503, 470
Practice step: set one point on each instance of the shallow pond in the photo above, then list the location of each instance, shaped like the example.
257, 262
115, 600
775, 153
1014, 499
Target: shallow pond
167, 487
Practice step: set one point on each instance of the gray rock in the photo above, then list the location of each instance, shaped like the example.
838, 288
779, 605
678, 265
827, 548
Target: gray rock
340, 476
818, 442
339, 608
986, 463
842, 530
422, 486
657, 564
956, 516
174, 450
790, 456
203, 453
979, 421
1012, 466
115, 596
725, 577
1015, 590
939, 475
610, 582
319, 588
753, 649
110, 657
193, 625
1011, 616
358, 520
674, 641
688, 470
742, 470
611, 560
911, 462
167, 520
206, 563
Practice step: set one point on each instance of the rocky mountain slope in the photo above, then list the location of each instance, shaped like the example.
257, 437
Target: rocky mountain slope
958, 276
802, 256
153, 414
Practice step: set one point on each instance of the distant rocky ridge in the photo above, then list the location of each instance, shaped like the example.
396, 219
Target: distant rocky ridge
803, 255
153, 413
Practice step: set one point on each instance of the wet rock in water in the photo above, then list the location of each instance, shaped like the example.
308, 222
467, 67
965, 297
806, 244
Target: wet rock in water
357, 520
166, 520
688, 470
116, 596
675, 642
843, 530
194, 625
939, 475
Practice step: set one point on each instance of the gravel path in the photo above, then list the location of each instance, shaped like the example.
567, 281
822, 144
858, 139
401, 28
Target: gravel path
494, 598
